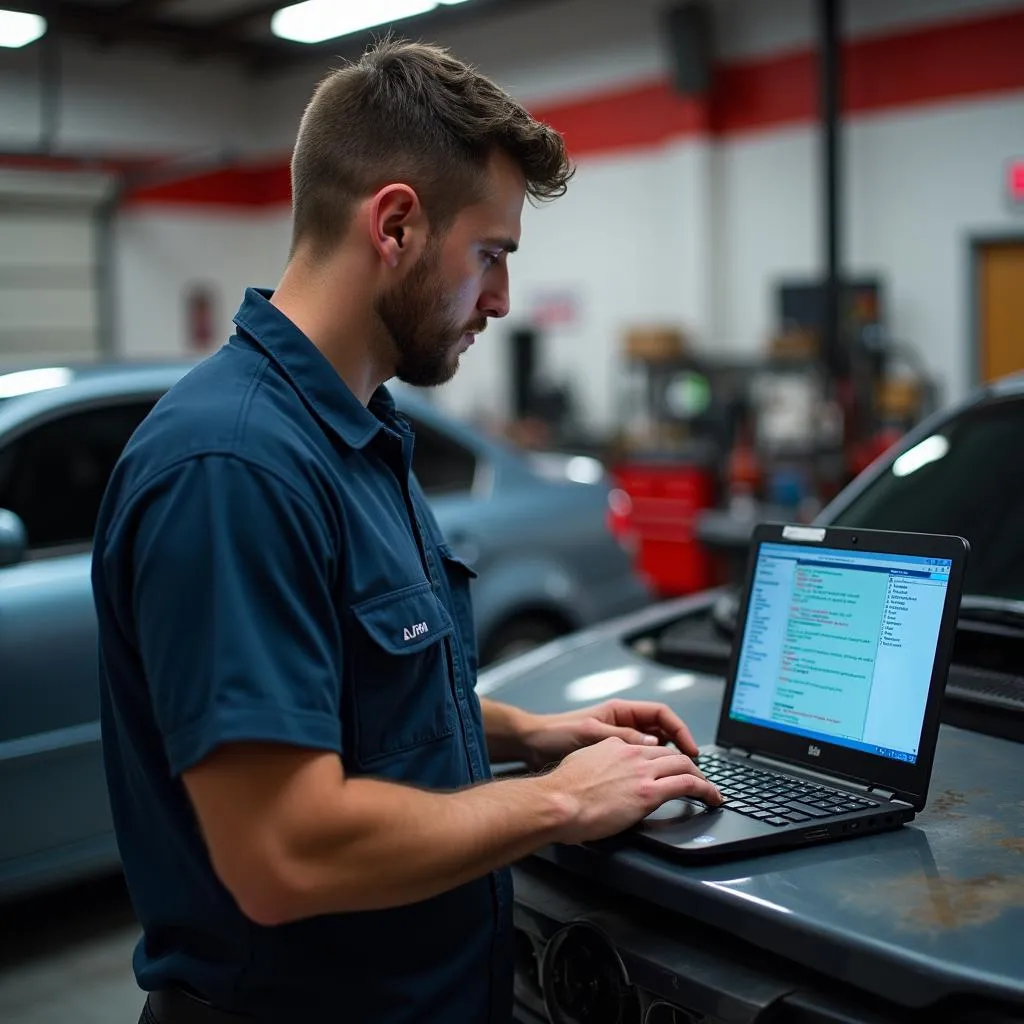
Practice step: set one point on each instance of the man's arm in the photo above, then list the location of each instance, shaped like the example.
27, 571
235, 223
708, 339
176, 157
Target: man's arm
517, 735
505, 727
290, 837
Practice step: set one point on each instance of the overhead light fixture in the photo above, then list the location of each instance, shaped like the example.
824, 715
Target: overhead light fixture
18, 28
315, 21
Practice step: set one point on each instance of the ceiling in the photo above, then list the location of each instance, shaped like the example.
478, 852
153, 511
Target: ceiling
235, 30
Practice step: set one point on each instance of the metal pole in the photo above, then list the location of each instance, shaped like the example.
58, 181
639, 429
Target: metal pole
50, 87
830, 75
106, 272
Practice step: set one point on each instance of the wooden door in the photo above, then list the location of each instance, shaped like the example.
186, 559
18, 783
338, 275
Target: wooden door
1000, 308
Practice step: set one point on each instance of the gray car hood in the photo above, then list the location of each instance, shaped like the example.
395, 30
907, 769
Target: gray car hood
597, 664
885, 908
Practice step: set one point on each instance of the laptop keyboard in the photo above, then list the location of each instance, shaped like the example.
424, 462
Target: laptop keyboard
774, 798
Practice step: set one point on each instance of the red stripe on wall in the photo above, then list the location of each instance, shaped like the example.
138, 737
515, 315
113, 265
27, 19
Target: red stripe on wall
231, 186
764, 94
753, 95
953, 60
642, 115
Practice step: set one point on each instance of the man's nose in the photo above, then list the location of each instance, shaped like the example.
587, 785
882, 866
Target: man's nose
494, 301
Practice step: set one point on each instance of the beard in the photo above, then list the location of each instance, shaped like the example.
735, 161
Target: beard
424, 331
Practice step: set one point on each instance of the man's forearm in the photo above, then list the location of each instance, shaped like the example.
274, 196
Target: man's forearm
386, 845
504, 727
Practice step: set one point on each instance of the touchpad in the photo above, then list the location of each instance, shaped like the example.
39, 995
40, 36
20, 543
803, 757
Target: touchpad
675, 811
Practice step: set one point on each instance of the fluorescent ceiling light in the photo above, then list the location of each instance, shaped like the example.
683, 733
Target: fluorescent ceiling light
317, 20
19, 29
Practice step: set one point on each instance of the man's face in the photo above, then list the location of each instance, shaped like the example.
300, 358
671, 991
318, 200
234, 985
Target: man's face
460, 280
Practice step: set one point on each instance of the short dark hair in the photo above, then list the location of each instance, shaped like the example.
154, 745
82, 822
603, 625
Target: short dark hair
411, 112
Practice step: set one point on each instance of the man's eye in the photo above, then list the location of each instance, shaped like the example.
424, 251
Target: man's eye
491, 258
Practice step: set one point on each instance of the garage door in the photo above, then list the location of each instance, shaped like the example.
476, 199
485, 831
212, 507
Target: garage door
50, 284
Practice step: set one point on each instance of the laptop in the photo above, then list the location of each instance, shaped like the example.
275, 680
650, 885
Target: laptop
830, 715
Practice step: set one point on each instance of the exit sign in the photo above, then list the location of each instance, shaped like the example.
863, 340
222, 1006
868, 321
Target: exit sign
1015, 180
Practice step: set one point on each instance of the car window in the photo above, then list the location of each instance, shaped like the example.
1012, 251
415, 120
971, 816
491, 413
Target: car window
968, 480
441, 464
54, 475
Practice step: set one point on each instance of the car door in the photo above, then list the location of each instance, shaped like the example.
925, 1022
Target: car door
447, 470
53, 473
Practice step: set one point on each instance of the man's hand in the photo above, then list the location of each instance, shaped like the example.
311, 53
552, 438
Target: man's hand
612, 785
548, 738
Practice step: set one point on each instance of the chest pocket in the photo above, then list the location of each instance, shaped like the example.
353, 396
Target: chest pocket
398, 672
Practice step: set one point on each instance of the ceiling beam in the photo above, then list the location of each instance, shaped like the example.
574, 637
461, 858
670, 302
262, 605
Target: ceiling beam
248, 15
130, 12
139, 8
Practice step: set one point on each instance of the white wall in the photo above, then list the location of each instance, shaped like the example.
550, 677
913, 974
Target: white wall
917, 185
768, 228
162, 253
921, 185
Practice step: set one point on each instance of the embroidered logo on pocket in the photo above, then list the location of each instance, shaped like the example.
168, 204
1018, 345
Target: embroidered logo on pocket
412, 632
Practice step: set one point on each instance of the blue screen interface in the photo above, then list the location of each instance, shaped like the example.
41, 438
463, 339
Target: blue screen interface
839, 646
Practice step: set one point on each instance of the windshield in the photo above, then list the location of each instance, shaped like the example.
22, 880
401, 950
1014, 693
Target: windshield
967, 479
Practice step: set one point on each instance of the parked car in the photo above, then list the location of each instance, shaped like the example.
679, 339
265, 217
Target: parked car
533, 528
918, 924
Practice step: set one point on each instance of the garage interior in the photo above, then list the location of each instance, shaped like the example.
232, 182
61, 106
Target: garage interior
795, 235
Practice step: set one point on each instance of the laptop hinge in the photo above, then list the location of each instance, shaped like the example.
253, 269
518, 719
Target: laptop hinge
802, 769
885, 794
738, 752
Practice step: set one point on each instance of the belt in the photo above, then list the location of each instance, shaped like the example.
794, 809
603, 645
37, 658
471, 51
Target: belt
175, 1006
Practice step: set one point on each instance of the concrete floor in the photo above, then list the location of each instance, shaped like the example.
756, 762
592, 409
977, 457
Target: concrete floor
65, 958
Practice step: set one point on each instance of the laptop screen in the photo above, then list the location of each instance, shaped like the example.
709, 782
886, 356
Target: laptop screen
840, 645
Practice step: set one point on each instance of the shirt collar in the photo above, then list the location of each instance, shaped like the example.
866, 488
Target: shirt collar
308, 371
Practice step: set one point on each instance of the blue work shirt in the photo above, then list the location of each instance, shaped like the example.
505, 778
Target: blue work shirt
266, 568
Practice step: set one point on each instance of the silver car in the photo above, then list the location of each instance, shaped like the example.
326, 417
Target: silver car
534, 528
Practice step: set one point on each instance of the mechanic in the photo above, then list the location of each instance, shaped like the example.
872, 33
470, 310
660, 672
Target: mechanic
297, 761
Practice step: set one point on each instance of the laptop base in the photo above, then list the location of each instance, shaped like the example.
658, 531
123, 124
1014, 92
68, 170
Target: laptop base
689, 830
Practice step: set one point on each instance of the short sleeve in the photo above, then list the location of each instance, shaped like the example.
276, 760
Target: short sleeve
233, 611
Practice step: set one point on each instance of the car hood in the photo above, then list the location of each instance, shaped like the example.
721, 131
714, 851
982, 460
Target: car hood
601, 663
874, 913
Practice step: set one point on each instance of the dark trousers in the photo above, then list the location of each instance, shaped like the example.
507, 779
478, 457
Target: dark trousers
173, 1006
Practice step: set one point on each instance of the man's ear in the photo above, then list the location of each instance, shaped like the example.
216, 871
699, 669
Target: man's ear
398, 225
